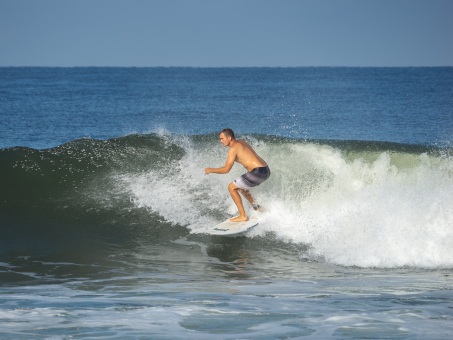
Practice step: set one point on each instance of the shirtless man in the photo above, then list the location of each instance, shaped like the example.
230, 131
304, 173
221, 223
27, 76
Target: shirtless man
257, 168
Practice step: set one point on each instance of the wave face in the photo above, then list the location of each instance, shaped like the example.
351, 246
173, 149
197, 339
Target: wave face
350, 203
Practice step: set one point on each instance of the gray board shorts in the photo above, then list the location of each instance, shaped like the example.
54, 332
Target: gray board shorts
253, 178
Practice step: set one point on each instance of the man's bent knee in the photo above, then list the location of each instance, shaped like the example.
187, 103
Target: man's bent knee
232, 187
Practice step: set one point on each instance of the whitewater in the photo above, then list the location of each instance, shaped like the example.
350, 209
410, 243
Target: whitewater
354, 208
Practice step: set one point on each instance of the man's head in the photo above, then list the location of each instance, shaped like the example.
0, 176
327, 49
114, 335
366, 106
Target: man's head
228, 133
226, 136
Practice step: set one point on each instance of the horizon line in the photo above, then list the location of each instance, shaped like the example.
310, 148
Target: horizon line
179, 66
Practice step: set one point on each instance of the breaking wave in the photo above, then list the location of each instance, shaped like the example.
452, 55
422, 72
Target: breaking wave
367, 204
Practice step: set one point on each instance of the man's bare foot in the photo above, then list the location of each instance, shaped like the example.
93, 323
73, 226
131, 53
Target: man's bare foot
239, 219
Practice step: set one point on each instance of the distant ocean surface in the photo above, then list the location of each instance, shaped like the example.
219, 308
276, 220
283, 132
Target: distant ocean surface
104, 203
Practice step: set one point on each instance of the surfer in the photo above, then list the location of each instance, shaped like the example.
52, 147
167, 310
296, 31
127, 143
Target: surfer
258, 171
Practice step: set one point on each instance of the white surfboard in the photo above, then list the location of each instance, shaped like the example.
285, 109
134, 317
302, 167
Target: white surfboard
227, 228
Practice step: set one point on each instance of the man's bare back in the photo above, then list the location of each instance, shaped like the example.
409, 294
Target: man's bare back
246, 156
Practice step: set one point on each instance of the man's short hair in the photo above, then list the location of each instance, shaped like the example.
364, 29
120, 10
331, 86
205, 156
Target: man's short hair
228, 133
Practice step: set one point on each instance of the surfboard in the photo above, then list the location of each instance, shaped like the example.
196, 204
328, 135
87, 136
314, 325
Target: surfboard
227, 228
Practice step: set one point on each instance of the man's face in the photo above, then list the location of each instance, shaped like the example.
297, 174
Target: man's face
225, 140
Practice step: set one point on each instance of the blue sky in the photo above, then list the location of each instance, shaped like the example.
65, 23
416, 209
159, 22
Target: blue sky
226, 33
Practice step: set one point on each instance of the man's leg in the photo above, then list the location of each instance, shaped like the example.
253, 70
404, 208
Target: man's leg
247, 195
250, 198
234, 192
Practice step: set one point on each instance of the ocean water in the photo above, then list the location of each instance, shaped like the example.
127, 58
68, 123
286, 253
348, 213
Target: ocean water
104, 203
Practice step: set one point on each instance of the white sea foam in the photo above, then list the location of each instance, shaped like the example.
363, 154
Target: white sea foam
384, 209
